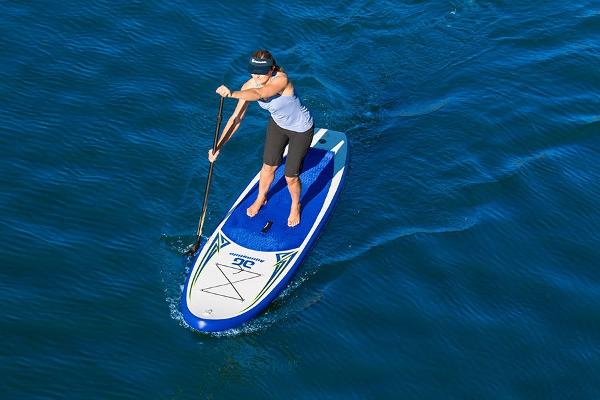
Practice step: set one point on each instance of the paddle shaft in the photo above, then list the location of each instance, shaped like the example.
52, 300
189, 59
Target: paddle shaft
210, 172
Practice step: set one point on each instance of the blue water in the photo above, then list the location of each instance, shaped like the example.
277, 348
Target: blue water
462, 260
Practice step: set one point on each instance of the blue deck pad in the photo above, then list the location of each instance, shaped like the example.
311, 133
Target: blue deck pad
315, 177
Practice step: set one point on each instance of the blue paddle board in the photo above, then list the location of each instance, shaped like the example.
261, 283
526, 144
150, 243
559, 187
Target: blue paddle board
247, 261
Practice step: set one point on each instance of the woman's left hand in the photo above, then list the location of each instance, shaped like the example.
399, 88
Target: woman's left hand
212, 156
223, 91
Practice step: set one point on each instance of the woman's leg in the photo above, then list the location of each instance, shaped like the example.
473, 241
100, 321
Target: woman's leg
267, 173
295, 188
299, 144
275, 142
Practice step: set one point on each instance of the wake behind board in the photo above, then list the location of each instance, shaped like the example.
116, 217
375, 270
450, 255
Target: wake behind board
247, 261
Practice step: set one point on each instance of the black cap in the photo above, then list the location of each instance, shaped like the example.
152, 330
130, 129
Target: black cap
260, 66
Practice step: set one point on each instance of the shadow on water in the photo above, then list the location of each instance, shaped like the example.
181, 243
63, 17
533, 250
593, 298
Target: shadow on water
419, 109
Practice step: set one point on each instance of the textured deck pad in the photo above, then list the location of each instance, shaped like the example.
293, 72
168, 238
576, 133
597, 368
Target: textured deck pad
315, 178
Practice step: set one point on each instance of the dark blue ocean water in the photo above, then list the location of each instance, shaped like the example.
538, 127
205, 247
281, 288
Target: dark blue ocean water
462, 260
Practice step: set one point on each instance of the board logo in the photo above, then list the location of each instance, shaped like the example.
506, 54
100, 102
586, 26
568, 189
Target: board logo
241, 262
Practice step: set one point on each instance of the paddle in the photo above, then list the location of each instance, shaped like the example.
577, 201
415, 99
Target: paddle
196, 245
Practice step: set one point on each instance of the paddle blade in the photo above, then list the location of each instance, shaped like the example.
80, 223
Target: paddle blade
192, 250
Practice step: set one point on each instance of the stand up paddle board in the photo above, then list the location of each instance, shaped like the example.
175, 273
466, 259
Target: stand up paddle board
247, 261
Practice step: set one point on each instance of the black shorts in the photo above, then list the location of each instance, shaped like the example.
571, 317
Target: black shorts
276, 140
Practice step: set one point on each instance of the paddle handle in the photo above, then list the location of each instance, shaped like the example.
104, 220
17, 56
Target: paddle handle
210, 172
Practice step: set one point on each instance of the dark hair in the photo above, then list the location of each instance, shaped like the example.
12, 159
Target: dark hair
266, 54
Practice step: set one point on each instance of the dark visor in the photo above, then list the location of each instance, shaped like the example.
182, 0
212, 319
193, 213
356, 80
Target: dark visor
260, 66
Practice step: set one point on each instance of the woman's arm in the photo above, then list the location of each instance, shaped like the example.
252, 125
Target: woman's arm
274, 86
232, 125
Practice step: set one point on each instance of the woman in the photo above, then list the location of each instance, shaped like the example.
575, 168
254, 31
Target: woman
290, 123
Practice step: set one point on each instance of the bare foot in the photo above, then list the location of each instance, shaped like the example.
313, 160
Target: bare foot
258, 203
294, 218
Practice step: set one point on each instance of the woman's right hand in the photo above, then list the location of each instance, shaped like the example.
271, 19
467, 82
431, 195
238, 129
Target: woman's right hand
213, 156
223, 91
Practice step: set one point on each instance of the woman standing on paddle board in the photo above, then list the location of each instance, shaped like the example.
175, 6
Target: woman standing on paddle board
290, 123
